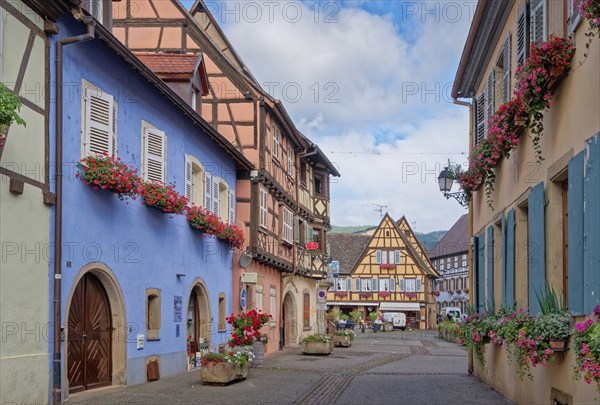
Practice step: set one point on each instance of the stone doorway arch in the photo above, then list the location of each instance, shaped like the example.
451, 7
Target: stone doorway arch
100, 279
290, 320
199, 325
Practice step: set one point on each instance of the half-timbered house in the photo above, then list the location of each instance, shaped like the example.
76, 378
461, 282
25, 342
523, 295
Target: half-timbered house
286, 195
390, 274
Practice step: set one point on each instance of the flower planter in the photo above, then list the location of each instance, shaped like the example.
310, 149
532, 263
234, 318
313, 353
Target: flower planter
322, 348
342, 341
223, 373
558, 344
258, 348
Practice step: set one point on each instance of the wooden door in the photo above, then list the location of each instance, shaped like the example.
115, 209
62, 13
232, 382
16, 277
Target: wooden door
90, 329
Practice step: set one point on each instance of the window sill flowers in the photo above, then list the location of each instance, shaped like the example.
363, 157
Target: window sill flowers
586, 345
209, 223
108, 173
591, 10
163, 197
547, 63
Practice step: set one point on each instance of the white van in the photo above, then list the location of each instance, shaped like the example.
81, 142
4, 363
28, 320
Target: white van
397, 319
454, 312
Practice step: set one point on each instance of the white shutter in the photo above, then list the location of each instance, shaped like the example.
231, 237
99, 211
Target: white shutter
491, 96
538, 21
401, 285
480, 118
231, 207
392, 284
207, 191
506, 87
288, 219
418, 287
114, 130
99, 122
189, 173
522, 36
155, 151
378, 257
275, 143
397, 256
263, 208
216, 200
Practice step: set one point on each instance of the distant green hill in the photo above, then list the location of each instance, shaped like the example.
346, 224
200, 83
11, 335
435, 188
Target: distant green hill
428, 240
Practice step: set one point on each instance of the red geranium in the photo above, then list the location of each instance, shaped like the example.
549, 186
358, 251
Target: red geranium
109, 173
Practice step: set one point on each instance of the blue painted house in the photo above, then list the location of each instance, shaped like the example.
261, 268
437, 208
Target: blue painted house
139, 291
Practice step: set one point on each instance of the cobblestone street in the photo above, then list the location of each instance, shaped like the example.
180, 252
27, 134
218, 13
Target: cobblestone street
384, 368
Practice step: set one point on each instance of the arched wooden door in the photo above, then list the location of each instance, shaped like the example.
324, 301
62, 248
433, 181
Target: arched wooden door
89, 354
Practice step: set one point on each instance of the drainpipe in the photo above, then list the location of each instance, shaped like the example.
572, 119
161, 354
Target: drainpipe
470, 228
56, 363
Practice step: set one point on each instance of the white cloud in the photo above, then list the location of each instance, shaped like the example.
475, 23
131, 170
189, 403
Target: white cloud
367, 82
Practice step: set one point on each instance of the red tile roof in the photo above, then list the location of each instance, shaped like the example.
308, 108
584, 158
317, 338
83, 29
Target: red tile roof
169, 63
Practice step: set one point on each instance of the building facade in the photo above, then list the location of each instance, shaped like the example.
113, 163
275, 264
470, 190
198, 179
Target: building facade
450, 257
543, 225
26, 201
279, 199
387, 271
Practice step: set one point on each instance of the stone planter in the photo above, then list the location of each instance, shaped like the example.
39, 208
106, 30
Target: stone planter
317, 347
223, 373
342, 341
387, 327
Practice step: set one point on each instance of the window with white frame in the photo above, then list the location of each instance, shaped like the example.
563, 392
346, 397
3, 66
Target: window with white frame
410, 285
538, 20
456, 262
365, 284
288, 225
259, 297
154, 155
263, 208
273, 304
340, 284
99, 122
291, 166
384, 284
464, 260
276, 145
194, 180
574, 15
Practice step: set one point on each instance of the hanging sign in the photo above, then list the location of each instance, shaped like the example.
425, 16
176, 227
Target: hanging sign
312, 246
249, 278
243, 299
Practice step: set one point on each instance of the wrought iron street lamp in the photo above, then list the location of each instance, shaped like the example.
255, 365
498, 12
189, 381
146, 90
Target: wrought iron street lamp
446, 180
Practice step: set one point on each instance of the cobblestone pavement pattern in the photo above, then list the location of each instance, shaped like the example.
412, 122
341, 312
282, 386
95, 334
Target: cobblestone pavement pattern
384, 368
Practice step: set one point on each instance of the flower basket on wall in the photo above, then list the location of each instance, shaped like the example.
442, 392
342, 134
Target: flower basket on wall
384, 294
387, 266
163, 197
105, 172
340, 294
411, 295
366, 295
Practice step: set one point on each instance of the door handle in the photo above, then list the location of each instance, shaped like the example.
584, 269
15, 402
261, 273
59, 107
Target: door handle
84, 336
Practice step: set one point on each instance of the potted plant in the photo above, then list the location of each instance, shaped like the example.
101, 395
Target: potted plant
246, 332
10, 105
317, 344
343, 338
552, 328
226, 367
104, 172
586, 346
163, 197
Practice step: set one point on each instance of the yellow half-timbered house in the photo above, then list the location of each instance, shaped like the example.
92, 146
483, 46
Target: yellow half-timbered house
388, 272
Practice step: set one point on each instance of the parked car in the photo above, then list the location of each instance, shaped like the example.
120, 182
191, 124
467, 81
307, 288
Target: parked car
397, 319
451, 313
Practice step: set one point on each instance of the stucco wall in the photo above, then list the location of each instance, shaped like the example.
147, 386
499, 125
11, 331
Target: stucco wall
143, 247
25, 226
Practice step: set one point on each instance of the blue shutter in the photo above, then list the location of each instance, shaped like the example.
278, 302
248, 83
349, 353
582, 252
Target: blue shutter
503, 231
591, 225
401, 285
536, 250
575, 235
481, 272
509, 295
490, 264
348, 284
474, 291
392, 284
374, 285
357, 284
418, 285
377, 256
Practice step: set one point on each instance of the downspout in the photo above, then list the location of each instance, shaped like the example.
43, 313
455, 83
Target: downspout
470, 227
56, 362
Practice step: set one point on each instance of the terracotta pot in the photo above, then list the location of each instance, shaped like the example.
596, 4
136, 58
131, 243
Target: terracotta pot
558, 344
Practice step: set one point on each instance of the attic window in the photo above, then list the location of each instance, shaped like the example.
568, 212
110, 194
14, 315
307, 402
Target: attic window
387, 233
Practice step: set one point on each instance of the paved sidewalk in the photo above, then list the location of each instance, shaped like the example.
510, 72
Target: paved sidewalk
382, 368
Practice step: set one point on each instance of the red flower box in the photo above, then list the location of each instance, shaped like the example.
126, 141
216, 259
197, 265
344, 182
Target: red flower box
163, 197
387, 266
109, 173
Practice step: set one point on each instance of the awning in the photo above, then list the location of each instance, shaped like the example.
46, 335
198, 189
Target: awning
400, 306
354, 303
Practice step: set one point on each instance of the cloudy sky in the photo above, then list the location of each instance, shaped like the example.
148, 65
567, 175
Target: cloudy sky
370, 82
